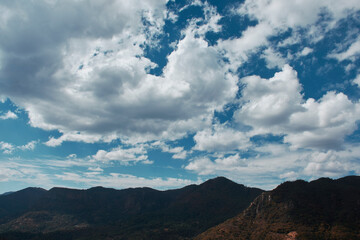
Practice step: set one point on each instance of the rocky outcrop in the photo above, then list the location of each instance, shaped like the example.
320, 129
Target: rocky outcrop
322, 209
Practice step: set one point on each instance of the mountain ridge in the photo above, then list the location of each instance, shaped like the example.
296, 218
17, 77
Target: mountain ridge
132, 213
320, 209
216, 209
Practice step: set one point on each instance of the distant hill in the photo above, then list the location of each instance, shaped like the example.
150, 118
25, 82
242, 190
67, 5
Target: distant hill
134, 213
321, 209
6, 193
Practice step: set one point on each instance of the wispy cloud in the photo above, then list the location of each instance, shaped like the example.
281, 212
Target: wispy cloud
8, 115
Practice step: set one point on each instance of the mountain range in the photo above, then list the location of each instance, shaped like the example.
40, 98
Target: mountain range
321, 209
215, 209
135, 213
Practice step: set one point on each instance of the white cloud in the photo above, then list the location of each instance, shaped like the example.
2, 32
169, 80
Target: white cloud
124, 156
276, 162
220, 138
202, 166
8, 115
273, 59
36, 173
173, 17
95, 169
29, 146
327, 164
270, 102
306, 51
357, 80
271, 161
31, 175
277, 16
352, 52
324, 123
77, 137
276, 106
289, 176
178, 152
91, 81
7, 148
56, 163
220, 166
237, 50
72, 156
180, 155
116, 180
7, 174
282, 14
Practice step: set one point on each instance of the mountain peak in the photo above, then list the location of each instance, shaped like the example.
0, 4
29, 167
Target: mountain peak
320, 209
219, 181
131, 213
33, 189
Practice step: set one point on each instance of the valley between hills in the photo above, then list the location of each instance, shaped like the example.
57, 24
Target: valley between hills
216, 209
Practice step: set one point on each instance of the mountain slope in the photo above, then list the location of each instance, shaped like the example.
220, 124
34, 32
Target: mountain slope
16, 203
136, 213
321, 209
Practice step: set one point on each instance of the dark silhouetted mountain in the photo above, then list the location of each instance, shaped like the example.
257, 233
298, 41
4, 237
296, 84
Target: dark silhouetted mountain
6, 193
134, 213
321, 209
14, 204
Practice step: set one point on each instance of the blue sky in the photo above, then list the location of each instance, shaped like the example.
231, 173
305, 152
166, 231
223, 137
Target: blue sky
169, 93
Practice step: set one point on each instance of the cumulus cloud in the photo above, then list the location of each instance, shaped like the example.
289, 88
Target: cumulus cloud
324, 123
90, 81
276, 106
205, 166
77, 137
277, 16
270, 161
80, 67
220, 138
269, 103
8, 115
273, 59
124, 156
202, 166
284, 14
7, 148
277, 162
29, 146
237, 50
327, 164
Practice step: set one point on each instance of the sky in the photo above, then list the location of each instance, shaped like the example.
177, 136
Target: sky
167, 93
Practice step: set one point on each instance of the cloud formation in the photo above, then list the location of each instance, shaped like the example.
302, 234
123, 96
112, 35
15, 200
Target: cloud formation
241, 91
8, 115
89, 79
220, 139
276, 106
124, 156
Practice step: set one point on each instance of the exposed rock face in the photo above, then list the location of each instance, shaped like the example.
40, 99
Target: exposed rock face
322, 209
